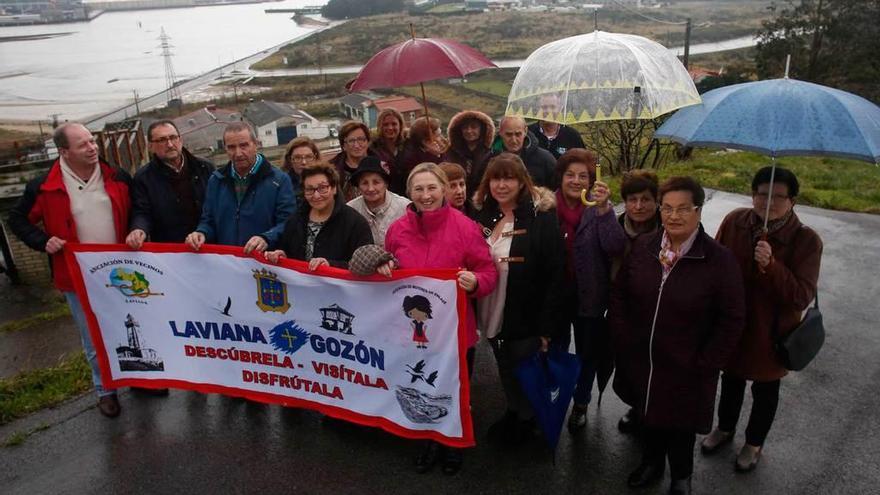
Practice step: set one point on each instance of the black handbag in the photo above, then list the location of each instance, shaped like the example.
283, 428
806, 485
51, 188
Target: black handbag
799, 347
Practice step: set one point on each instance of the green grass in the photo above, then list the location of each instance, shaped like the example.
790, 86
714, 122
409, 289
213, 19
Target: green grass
58, 309
829, 183
34, 390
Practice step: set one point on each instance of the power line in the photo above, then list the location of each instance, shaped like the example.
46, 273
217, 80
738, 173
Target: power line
624, 7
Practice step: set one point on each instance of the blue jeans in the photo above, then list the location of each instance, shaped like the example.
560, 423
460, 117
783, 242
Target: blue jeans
79, 317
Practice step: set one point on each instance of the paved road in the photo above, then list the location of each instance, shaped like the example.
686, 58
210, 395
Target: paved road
824, 442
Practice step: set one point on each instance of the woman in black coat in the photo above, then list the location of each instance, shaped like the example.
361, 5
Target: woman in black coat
521, 315
676, 315
325, 231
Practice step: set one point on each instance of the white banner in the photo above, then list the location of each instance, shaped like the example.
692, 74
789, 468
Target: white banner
375, 351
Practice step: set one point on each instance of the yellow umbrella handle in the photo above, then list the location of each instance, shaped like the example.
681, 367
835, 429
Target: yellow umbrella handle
584, 191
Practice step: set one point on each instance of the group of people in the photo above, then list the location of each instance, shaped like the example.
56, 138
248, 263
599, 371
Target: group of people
648, 290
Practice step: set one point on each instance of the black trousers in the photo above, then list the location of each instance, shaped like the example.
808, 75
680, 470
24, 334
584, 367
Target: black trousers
675, 445
508, 354
765, 399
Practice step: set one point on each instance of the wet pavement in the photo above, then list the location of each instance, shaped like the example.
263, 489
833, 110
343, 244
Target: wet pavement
824, 440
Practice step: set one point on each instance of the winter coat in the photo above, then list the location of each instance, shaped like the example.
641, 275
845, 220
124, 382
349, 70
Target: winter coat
474, 162
774, 299
155, 207
672, 338
263, 210
389, 160
534, 301
566, 139
379, 221
539, 162
444, 238
630, 240
411, 156
342, 233
349, 191
598, 240
45, 201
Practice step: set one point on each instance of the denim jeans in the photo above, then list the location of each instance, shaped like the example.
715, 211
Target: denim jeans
79, 317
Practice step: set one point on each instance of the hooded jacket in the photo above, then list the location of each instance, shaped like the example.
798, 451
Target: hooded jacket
533, 305
155, 206
45, 201
444, 238
474, 162
539, 162
265, 207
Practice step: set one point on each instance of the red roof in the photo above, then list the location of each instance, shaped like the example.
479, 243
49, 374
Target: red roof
402, 104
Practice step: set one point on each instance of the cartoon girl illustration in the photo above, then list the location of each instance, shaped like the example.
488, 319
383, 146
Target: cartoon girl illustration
419, 309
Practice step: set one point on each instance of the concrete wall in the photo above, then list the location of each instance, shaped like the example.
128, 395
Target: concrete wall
32, 266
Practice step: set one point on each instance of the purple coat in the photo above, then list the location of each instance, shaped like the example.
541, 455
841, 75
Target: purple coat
598, 239
671, 339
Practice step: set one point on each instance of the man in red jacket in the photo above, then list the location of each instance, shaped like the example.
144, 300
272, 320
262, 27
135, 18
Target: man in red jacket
79, 199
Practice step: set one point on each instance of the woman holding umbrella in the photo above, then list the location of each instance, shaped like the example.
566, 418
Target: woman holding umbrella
780, 267
523, 313
471, 134
354, 139
676, 316
326, 232
425, 144
432, 234
388, 143
593, 238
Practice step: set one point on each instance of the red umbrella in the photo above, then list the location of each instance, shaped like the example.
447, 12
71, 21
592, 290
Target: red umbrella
418, 60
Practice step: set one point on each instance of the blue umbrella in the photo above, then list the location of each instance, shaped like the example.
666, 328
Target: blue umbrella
780, 117
548, 379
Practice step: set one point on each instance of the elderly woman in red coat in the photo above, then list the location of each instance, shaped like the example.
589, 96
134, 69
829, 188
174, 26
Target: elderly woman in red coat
676, 316
780, 268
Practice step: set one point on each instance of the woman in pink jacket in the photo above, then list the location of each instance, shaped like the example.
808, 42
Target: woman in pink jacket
434, 235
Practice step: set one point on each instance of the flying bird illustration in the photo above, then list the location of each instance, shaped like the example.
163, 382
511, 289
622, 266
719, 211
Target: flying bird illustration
417, 373
225, 310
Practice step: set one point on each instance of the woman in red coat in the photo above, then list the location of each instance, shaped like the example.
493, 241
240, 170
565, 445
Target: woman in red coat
780, 268
676, 316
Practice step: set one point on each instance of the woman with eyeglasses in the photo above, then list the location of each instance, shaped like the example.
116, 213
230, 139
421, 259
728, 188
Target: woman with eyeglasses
326, 231
676, 315
300, 152
780, 266
522, 315
592, 238
425, 144
640, 217
354, 139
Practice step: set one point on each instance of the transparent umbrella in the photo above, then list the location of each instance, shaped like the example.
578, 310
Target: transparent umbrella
600, 76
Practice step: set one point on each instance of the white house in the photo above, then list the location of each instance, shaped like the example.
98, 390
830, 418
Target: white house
277, 124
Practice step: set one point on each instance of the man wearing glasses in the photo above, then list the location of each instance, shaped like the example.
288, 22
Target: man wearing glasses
167, 194
247, 201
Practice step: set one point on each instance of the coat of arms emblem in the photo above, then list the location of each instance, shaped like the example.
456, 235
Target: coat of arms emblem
271, 292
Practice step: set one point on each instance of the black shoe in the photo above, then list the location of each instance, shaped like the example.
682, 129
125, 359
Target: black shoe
452, 460
629, 423
427, 457
108, 405
577, 420
680, 487
646, 474
501, 430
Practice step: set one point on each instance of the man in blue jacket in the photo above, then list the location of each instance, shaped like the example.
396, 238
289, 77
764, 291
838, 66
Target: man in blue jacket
247, 201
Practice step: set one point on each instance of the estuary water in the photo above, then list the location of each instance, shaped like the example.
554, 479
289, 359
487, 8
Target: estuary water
99, 64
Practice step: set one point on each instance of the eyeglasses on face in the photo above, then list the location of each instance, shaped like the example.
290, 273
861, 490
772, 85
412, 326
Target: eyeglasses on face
302, 158
167, 139
320, 190
357, 140
680, 211
776, 197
